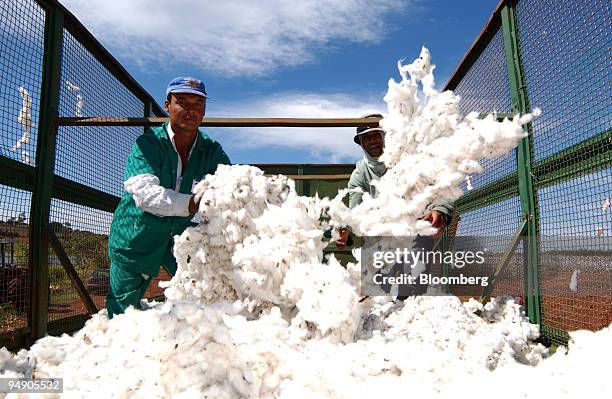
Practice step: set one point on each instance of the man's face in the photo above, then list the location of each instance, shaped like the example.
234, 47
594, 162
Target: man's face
373, 143
186, 110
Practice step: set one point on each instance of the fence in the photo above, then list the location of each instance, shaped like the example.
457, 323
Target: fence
554, 55
61, 182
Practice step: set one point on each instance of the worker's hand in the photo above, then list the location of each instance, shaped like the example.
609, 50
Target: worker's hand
344, 236
193, 205
436, 218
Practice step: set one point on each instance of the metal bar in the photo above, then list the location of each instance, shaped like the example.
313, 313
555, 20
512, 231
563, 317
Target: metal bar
221, 122
503, 262
299, 184
503, 188
70, 271
45, 162
500, 116
67, 324
555, 335
148, 112
347, 166
76, 193
570, 163
74, 26
504, 194
16, 174
317, 177
308, 169
524, 162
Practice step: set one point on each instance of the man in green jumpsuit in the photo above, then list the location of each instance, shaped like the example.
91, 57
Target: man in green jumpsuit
161, 170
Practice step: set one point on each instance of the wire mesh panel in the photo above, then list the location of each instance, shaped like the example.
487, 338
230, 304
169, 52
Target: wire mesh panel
485, 89
83, 233
575, 250
565, 51
22, 26
493, 227
14, 255
93, 156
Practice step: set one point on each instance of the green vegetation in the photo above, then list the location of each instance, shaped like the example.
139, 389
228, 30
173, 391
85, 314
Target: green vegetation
86, 250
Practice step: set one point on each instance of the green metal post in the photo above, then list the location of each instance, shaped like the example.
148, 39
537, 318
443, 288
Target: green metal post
148, 111
306, 187
524, 162
299, 185
43, 181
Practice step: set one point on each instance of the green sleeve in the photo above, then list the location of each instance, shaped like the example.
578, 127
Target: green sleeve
355, 183
145, 157
444, 206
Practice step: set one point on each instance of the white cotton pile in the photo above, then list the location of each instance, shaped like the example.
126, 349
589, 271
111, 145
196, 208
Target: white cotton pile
430, 149
579, 372
428, 346
231, 205
254, 310
260, 242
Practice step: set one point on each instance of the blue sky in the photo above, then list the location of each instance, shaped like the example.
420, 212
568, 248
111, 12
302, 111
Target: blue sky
283, 59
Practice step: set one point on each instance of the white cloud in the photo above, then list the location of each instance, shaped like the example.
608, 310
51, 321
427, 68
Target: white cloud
332, 145
240, 37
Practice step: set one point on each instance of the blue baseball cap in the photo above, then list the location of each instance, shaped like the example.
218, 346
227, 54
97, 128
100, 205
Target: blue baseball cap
186, 85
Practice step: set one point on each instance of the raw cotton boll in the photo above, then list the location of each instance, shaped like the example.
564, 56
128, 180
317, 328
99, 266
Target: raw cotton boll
229, 202
420, 68
26, 102
324, 296
284, 234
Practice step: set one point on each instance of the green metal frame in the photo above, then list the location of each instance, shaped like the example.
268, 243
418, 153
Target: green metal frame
70, 271
570, 163
526, 188
530, 175
503, 262
40, 179
43, 183
76, 28
16, 174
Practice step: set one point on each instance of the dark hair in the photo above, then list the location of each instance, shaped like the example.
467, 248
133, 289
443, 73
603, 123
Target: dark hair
169, 97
